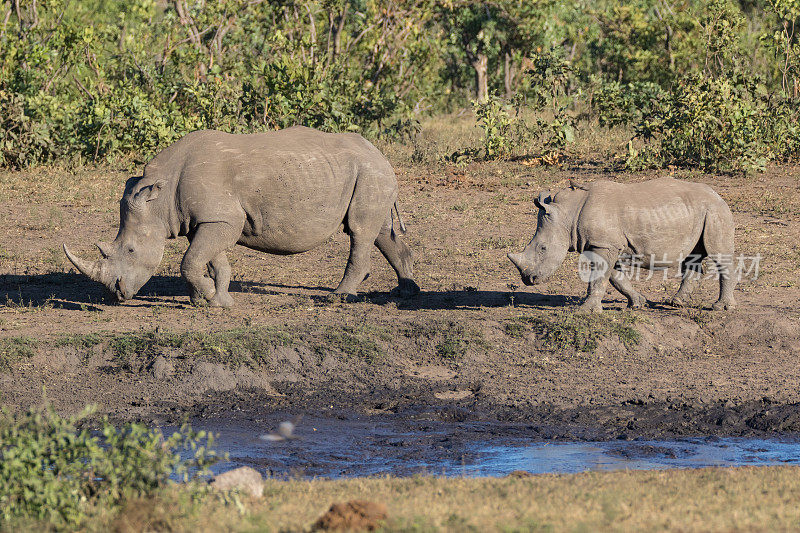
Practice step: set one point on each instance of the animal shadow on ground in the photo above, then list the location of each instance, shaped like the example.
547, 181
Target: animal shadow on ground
428, 300
73, 291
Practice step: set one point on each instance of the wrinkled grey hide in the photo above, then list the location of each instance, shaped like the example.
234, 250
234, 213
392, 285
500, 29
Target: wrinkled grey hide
281, 192
662, 221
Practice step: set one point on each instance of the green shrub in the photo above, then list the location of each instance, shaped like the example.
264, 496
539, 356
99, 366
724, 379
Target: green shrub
53, 470
711, 123
498, 126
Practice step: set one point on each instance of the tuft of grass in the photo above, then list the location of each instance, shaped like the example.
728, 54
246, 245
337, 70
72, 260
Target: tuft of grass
80, 341
13, 349
452, 339
243, 345
495, 243
132, 350
580, 332
355, 341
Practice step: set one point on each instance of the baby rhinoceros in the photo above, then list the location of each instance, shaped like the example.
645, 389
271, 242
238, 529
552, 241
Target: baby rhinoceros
281, 192
655, 224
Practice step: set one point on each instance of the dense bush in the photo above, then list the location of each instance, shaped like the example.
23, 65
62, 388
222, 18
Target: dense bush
97, 79
53, 471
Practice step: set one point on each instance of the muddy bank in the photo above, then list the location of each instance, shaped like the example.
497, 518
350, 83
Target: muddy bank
550, 374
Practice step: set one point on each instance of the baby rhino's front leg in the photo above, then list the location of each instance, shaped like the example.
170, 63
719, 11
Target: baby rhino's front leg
600, 268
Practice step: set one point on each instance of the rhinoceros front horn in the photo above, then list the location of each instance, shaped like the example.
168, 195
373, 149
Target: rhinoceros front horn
516, 259
91, 269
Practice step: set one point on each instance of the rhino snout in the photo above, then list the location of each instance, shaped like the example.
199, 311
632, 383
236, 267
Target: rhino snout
120, 291
524, 269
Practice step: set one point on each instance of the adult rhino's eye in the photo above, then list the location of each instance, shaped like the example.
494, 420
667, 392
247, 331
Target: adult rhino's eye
544, 248
130, 249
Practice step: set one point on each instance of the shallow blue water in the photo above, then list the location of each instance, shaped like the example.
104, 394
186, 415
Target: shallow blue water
330, 447
570, 457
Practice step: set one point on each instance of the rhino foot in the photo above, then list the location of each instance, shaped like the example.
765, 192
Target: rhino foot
589, 307
676, 301
637, 302
221, 300
406, 288
721, 305
342, 297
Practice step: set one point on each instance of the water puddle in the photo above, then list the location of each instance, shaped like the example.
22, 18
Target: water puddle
366, 446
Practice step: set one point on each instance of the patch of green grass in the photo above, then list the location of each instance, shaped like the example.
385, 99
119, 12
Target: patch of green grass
515, 329
13, 349
581, 332
80, 341
451, 339
244, 345
355, 341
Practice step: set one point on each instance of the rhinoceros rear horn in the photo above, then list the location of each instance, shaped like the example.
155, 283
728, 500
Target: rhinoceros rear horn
91, 269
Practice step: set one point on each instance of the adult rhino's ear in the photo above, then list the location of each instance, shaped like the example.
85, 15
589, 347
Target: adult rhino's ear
544, 201
149, 192
575, 184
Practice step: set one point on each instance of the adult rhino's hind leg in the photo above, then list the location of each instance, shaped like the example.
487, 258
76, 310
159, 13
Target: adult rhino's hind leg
398, 254
205, 266
373, 196
727, 281
358, 264
689, 283
622, 283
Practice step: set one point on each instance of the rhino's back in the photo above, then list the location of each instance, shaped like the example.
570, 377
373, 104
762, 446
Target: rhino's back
294, 185
661, 216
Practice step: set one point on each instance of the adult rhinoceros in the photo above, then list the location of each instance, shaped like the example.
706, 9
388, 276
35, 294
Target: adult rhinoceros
656, 224
281, 192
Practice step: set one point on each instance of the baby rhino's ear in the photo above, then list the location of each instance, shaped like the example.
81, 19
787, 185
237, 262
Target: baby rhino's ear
575, 184
543, 201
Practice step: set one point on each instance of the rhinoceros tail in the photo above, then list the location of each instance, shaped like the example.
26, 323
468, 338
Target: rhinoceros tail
399, 220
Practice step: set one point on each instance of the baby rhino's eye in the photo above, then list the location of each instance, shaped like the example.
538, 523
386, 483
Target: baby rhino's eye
130, 249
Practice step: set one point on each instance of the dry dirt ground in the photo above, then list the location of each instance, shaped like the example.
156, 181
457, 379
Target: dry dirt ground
472, 345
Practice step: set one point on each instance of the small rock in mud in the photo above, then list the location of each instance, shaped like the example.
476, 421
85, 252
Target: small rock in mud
244, 479
355, 515
162, 369
642, 451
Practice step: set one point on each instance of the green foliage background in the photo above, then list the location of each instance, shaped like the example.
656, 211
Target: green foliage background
55, 471
709, 83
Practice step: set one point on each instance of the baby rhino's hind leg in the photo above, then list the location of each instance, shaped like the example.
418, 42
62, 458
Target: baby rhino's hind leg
718, 240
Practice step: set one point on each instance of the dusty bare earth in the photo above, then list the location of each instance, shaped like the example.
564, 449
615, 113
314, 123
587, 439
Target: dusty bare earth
472, 346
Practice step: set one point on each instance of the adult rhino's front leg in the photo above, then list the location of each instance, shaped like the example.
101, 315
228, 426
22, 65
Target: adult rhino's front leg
205, 266
623, 284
